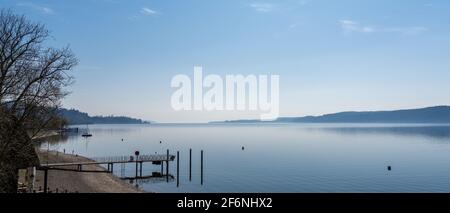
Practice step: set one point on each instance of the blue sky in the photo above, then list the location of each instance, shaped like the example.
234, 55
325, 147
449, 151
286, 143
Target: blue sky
331, 55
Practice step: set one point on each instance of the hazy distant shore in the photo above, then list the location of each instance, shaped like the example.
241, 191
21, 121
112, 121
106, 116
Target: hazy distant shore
432, 115
79, 181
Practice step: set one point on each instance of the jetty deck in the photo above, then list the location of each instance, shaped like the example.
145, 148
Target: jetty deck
136, 159
115, 160
110, 161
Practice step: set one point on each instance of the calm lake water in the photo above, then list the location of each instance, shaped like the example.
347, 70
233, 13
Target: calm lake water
281, 157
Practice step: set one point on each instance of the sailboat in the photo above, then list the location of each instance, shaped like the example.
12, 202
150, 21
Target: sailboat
87, 134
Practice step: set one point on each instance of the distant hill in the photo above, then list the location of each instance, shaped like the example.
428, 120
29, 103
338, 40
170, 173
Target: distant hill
75, 117
437, 114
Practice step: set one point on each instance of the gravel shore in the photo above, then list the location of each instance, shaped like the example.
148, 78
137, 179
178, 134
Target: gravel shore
82, 182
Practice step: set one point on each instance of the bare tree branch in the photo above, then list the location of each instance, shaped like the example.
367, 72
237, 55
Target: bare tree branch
32, 77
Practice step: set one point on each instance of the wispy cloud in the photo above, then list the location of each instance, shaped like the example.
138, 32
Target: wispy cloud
350, 26
148, 12
144, 11
262, 7
41, 9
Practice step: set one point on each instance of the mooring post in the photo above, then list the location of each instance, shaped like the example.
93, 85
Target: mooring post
136, 153
108, 167
167, 167
136, 175
190, 164
45, 180
201, 167
140, 169
162, 167
112, 167
178, 168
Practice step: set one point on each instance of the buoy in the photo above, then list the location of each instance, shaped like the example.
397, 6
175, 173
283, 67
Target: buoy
160, 141
389, 168
243, 148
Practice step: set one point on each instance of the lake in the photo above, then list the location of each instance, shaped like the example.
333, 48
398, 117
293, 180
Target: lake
280, 157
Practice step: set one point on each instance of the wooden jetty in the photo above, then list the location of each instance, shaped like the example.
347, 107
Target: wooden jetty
136, 159
115, 160
110, 161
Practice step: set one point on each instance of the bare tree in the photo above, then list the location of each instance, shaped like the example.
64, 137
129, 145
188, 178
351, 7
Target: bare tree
32, 82
32, 76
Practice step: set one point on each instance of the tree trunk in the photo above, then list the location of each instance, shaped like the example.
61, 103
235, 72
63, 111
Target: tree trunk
16, 152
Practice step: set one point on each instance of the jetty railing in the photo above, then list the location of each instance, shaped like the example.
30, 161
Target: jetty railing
128, 159
109, 161
137, 159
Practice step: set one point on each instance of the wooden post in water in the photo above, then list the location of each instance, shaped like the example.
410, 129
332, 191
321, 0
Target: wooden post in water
140, 169
162, 167
45, 180
178, 168
167, 167
201, 167
190, 164
112, 168
136, 153
136, 175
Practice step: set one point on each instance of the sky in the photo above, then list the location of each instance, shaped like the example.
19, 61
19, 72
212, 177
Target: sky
331, 56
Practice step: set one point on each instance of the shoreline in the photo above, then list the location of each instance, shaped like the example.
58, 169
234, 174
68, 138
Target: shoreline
45, 134
79, 182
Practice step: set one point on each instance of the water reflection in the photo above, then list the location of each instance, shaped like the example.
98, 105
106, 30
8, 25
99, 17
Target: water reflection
281, 157
57, 139
110, 129
440, 132
154, 178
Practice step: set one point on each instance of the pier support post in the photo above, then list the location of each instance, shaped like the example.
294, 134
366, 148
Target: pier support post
140, 169
136, 153
136, 175
167, 167
45, 180
178, 168
201, 167
112, 168
162, 167
190, 164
